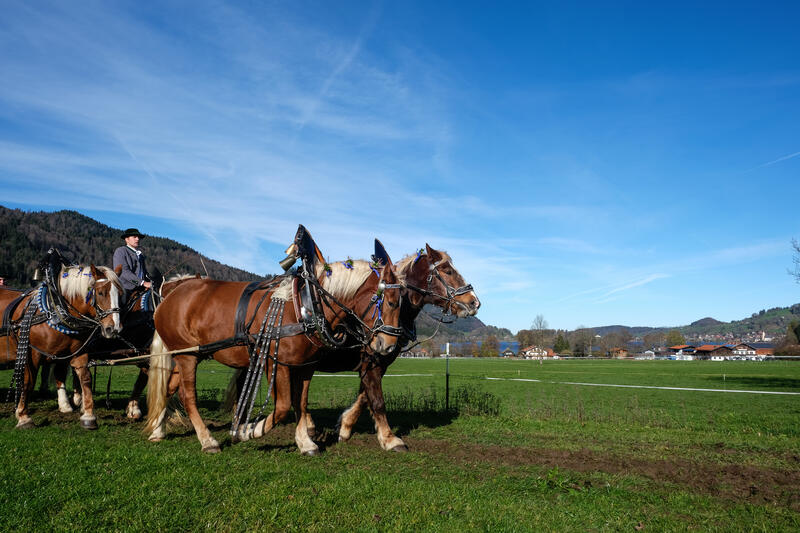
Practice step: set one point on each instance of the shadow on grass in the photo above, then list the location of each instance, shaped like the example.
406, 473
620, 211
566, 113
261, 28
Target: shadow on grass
757, 382
402, 421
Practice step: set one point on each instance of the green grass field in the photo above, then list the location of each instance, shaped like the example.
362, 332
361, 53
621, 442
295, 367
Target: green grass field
508, 456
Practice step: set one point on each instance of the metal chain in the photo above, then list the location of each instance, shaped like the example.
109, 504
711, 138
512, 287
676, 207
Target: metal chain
23, 349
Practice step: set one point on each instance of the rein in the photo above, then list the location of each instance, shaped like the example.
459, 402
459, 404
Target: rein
366, 333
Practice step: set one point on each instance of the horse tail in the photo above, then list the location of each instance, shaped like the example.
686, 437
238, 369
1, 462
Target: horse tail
157, 381
232, 392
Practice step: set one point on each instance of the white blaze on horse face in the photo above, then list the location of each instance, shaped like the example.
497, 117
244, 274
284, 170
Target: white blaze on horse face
115, 305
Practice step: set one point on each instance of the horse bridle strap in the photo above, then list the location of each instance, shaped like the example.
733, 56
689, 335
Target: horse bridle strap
452, 292
377, 300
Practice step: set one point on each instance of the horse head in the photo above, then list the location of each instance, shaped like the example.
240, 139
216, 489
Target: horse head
385, 316
101, 300
370, 299
434, 280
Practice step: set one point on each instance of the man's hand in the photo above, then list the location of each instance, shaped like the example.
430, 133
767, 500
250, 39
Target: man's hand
146, 284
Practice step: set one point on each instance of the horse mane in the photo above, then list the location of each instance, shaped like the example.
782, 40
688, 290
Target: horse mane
76, 280
178, 277
284, 290
403, 267
344, 282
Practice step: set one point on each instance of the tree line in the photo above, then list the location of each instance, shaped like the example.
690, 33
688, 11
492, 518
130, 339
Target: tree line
26, 237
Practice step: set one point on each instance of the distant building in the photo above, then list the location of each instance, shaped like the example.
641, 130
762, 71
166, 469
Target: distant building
713, 352
619, 353
681, 349
508, 352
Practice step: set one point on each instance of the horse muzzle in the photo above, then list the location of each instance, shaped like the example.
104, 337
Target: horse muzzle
382, 345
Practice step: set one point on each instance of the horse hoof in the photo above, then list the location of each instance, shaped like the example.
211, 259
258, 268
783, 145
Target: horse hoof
400, 448
212, 449
89, 424
28, 424
311, 453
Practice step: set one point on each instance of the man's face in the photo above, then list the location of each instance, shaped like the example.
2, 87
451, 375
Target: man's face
2, 281
132, 241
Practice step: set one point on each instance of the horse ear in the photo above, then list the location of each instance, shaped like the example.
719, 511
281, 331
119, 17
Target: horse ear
118, 269
434, 255
94, 271
381, 255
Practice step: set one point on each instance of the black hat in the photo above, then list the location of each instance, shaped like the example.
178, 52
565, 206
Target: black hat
130, 232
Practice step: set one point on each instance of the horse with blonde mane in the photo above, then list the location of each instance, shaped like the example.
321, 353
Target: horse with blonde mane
327, 306
55, 321
431, 278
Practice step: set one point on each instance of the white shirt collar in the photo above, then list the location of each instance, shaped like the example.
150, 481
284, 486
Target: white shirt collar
138, 252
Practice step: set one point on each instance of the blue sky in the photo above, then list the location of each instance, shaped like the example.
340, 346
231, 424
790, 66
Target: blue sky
597, 165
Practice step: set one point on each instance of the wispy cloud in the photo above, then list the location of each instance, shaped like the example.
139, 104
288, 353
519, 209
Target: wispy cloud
637, 283
784, 158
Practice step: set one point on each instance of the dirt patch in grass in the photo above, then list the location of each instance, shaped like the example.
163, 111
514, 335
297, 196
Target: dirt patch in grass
729, 481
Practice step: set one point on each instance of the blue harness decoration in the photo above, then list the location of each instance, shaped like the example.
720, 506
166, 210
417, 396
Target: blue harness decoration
146, 302
52, 319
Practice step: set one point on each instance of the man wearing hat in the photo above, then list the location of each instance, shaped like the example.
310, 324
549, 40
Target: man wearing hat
131, 258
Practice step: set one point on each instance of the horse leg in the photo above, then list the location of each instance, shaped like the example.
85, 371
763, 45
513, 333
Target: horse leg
372, 381
350, 416
133, 411
187, 367
60, 374
44, 385
311, 428
282, 401
77, 397
300, 382
81, 368
24, 421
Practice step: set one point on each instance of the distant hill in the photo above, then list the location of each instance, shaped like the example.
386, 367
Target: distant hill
705, 323
26, 237
773, 322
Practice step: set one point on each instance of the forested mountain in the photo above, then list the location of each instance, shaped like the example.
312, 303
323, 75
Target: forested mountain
26, 237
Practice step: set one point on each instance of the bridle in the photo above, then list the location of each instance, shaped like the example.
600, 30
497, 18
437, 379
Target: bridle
363, 334
451, 292
377, 300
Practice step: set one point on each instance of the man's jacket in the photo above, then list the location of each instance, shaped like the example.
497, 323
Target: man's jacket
133, 268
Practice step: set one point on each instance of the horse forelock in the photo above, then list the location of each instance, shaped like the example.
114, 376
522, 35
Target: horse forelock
344, 282
111, 276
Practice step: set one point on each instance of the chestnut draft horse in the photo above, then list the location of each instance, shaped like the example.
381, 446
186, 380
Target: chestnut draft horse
430, 278
55, 321
199, 313
135, 339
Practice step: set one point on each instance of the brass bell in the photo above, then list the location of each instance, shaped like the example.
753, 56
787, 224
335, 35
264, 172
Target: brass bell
288, 262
